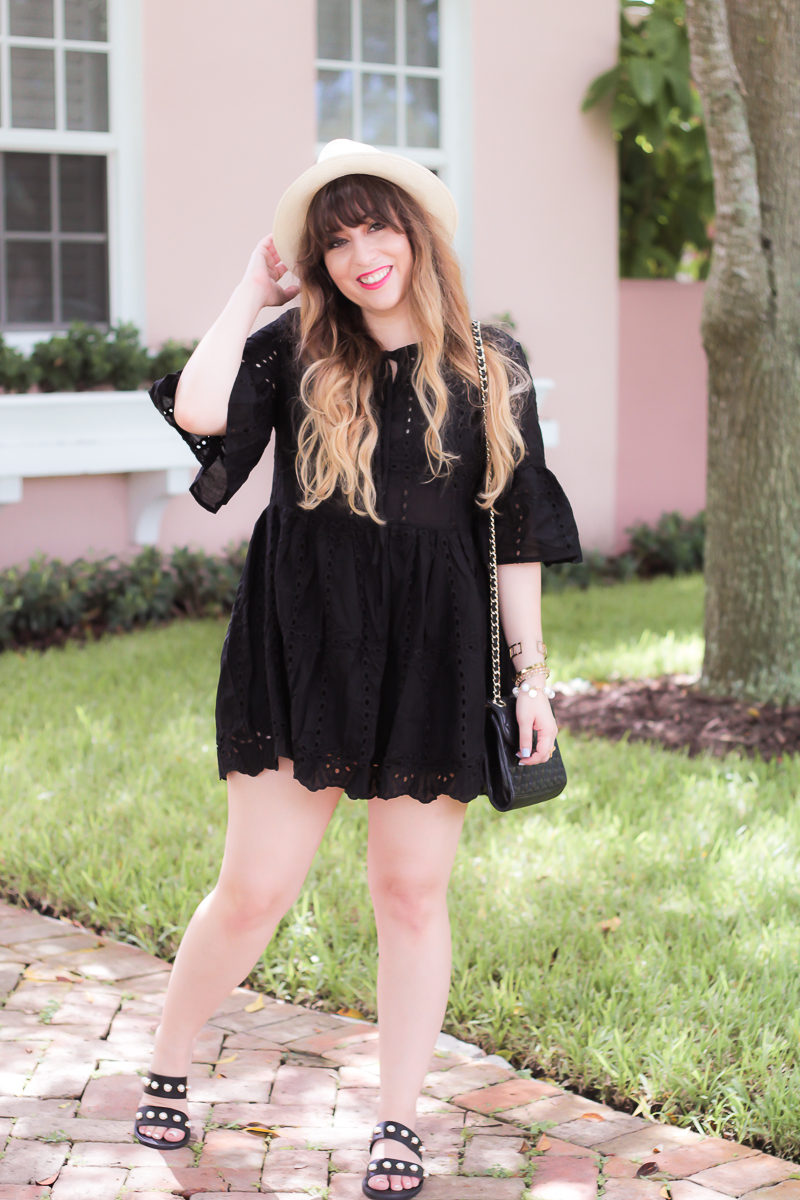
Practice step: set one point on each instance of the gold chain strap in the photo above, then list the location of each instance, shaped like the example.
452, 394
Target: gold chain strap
494, 599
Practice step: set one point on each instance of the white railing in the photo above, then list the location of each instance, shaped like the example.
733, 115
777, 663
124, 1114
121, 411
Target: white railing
95, 433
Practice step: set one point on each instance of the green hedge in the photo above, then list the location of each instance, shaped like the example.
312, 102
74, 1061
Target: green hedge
88, 357
48, 601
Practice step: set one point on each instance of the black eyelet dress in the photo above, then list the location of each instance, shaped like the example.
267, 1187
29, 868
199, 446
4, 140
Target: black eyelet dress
358, 650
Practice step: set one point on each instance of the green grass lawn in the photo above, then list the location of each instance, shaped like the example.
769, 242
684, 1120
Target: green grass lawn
635, 939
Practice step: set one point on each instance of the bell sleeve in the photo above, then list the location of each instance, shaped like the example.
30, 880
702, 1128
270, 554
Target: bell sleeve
534, 519
227, 459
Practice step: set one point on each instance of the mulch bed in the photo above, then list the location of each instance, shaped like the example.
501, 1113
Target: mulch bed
672, 712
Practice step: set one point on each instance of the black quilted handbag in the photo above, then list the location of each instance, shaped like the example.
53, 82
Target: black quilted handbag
509, 783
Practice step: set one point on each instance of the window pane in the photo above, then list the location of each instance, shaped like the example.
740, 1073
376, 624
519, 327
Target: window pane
334, 104
27, 193
82, 193
84, 272
333, 29
33, 89
422, 33
422, 112
87, 90
378, 42
30, 282
379, 109
31, 18
85, 20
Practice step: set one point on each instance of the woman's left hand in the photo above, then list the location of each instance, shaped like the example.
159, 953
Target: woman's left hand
534, 715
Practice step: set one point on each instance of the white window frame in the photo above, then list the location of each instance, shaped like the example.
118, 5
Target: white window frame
123, 150
453, 159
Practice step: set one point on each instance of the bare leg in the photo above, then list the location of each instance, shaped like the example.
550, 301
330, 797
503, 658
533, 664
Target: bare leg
412, 848
275, 826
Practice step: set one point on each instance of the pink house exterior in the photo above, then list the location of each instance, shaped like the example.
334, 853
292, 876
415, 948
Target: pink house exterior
208, 119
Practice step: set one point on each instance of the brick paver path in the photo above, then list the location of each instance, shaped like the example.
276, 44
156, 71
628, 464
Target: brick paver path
76, 1028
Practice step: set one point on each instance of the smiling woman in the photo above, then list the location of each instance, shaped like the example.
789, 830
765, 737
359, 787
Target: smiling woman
373, 257
355, 659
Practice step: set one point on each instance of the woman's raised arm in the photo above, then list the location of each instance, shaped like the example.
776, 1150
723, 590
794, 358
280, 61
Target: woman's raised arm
201, 399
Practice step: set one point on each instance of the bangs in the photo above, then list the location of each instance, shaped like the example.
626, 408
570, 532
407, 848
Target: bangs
350, 201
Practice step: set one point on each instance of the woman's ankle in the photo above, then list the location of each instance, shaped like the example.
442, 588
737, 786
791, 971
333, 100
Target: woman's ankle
171, 1055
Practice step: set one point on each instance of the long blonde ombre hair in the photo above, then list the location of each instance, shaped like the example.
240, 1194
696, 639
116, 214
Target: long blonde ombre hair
339, 432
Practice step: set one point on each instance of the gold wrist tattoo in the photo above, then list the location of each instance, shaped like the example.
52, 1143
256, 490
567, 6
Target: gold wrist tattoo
515, 650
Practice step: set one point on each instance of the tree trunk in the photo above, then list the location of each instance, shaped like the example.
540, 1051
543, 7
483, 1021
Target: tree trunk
746, 62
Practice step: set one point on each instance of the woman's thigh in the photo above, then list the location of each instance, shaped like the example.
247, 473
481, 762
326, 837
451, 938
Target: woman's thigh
412, 846
275, 826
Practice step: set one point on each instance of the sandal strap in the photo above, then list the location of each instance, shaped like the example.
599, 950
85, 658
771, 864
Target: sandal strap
395, 1166
170, 1118
165, 1087
396, 1130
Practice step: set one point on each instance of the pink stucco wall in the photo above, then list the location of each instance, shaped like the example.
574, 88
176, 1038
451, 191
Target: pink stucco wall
87, 516
546, 224
70, 517
661, 435
229, 118
186, 523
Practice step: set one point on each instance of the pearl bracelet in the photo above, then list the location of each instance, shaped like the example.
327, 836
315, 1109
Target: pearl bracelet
524, 687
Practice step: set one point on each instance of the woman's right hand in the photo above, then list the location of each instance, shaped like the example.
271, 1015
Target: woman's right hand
264, 270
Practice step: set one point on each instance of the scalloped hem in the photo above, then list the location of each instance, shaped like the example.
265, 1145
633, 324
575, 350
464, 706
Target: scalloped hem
385, 780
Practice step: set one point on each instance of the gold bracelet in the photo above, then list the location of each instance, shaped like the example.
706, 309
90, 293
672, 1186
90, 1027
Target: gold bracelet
521, 682
526, 671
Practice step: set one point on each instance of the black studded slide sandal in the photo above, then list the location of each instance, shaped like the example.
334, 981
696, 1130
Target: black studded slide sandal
162, 1087
386, 1165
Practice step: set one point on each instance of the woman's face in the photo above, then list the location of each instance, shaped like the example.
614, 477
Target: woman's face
371, 265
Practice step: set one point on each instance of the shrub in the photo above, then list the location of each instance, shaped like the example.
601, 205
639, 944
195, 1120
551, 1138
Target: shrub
49, 600
666, 187
87, 356
72, 362
144, 592
674, 547
127, 360
596, 568
172, 356
205, 585
17, 373
48, 597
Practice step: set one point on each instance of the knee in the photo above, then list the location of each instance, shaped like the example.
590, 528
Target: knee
248, 904
413, 903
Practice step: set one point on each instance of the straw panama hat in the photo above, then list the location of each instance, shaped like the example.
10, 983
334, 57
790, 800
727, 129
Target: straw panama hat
343, 157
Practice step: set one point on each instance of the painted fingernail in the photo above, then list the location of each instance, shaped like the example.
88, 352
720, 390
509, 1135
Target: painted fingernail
525, 752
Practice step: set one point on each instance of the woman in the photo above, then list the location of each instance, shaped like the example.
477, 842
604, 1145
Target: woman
355, 659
